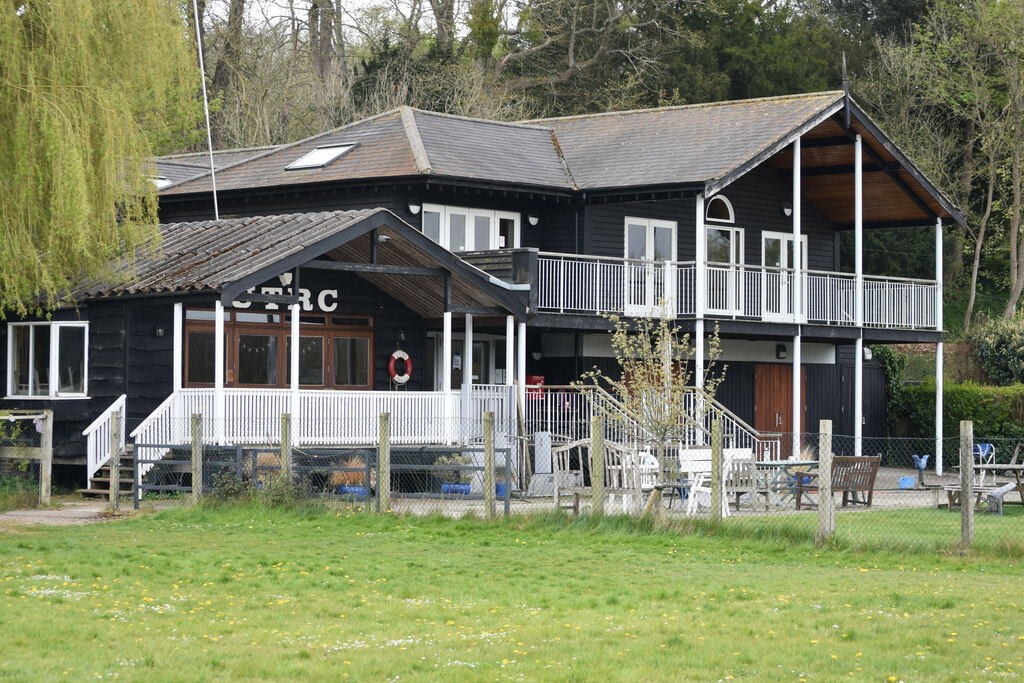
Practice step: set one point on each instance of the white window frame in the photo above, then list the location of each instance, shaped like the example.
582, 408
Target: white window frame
728, 205
471, 215
53, 370
782, 237
738, 233
651, 224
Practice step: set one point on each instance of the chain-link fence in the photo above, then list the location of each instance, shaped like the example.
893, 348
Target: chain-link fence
452, 467
886, 491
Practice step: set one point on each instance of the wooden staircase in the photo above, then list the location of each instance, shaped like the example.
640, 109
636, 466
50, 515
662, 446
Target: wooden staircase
99, 484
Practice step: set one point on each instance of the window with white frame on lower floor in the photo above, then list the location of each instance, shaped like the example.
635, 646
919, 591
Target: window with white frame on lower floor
47, 359
458, 228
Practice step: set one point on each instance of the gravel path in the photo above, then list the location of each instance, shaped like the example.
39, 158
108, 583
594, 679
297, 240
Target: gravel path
70, 513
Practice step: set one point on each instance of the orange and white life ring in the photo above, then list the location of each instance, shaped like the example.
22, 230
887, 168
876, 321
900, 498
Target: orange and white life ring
395, 377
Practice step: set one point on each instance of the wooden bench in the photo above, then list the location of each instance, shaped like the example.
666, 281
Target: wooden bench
850, 474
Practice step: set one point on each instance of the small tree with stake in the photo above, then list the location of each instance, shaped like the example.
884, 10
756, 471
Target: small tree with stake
654, 386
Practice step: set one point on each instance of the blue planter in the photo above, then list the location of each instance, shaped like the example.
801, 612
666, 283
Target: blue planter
499, 490
346, 490
458, 489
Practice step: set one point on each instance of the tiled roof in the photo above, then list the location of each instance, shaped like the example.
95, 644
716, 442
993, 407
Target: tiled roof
208, 254
678, 145
490, 150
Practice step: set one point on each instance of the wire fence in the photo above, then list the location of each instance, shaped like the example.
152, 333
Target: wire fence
421, 467
890, 492
26, 453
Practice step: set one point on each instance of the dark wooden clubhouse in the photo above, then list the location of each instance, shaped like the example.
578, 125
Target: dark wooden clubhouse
489, 254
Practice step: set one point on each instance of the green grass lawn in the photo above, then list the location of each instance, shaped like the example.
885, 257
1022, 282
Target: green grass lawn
243, 593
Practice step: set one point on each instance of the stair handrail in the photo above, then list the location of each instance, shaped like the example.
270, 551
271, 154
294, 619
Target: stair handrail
97, 436
156, 414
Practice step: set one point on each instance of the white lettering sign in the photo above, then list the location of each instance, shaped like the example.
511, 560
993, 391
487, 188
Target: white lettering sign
321, 300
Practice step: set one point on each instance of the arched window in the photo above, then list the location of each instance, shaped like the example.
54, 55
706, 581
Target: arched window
719, 209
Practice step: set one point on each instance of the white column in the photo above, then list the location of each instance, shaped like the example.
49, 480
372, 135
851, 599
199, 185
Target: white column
446, 353
446, 377
293, 361
178, 345
858, 231
797, 265
510, 349
938, 347
521, 362
796, 290
218, 372
858, 269
698, 354
467, 352
700, 256
798, 405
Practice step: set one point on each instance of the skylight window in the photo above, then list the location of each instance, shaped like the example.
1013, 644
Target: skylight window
161, 182
319, 157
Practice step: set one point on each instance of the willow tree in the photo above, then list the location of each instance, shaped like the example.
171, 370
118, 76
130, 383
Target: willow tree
88, 92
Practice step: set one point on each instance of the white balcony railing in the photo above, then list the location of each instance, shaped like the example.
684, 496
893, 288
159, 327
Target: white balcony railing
593, 285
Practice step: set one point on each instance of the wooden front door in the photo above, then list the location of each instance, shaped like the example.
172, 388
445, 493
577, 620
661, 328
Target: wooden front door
773, 402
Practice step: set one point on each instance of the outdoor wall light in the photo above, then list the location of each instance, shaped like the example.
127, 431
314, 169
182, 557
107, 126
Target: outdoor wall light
414, 208
532, 220
780, 351
400, 336
537, 355
787, 209
868, 353
285, 278
381, 239
160, 330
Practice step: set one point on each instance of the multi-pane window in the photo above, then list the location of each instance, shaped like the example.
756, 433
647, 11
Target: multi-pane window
334, 351
458, 228
47, 359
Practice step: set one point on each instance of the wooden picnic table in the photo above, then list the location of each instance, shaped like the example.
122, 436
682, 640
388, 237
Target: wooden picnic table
775, 481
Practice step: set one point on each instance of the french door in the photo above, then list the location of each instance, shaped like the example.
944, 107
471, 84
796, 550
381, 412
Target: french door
649, 276
779, 278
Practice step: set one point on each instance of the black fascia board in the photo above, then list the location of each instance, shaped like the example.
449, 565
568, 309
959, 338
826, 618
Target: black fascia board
498, 186
908, 165
715, 185
881, 335
624, 192
379, 219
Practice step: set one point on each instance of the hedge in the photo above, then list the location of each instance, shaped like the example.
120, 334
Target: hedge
997, 412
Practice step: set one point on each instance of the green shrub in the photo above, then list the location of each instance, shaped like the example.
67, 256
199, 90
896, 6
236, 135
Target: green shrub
999, 348
997, 412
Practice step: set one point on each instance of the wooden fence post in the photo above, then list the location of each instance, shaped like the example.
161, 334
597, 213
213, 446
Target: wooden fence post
115, 459
597, 463
489, 492
717, 475
826, 504
966, 485
197, 457
286, 446
384, 464
46, 459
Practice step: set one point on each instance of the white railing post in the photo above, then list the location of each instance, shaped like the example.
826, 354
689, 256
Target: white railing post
294, 406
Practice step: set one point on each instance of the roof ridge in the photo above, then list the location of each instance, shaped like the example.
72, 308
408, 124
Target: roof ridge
679, 107
496, 122
412, 134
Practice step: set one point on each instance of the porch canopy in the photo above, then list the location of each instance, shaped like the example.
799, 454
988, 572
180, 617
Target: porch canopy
233, 255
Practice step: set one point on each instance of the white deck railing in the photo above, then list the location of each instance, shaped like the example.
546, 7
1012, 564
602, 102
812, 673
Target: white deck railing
594, 285
97, 436
565, 412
